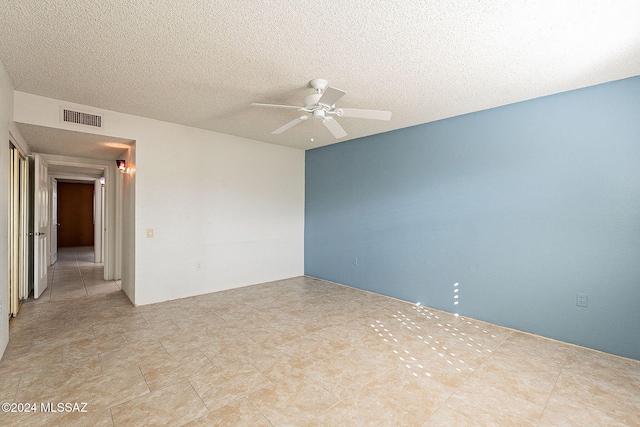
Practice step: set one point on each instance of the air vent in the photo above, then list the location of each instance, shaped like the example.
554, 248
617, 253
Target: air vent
77, 117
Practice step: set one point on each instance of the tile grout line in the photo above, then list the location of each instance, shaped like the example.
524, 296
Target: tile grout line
555, 384
81, 276
467, 379
259, 411
588, 404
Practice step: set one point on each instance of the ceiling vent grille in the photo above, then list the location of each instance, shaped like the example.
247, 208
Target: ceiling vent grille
79, 118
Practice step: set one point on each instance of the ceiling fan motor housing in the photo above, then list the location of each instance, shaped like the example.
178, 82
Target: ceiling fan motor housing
318, 114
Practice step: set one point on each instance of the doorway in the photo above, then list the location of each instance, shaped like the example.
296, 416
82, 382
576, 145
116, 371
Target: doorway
81, 213
79, 156
75, 216
18, 224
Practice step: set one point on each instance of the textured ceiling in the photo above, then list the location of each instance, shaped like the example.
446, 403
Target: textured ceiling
202, 63
75, 144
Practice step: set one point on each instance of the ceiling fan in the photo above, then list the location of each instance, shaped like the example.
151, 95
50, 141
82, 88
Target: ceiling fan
321, 105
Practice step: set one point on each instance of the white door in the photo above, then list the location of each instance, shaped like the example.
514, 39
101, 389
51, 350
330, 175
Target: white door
14, 233
54, 221
41, 226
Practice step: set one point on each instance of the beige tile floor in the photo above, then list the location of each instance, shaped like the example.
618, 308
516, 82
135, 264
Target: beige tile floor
297, 352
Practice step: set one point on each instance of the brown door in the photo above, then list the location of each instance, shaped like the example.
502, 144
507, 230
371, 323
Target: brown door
75, 214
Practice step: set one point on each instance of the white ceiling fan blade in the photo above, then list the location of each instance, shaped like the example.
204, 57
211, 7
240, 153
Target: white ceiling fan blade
257, 104
330, 96
291, 124
334, 127
365, 114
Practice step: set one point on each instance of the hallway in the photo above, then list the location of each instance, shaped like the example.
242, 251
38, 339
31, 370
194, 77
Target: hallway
76, 275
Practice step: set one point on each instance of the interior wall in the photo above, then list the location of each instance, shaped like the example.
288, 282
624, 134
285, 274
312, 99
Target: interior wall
128, 225
231, 206
6, 117
225, 212
75, 214
524, 206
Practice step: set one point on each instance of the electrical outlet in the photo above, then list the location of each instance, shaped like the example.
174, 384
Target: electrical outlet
199, 265
581, 300
149, 233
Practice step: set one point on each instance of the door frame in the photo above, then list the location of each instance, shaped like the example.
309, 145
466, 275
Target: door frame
98, 211
41, 225
112, 251
20, 144
18, 235
53, 223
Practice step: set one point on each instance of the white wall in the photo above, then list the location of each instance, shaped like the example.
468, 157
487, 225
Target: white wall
235, 205
6, 117
128, 226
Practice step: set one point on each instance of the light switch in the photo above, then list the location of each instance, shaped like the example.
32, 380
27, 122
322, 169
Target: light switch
149, 233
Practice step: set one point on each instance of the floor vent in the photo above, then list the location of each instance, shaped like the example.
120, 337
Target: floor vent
70, 116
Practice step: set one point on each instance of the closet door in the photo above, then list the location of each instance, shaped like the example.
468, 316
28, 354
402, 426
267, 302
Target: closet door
18, 199
14, 230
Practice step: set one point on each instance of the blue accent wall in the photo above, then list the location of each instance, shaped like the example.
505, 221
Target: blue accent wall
524, 206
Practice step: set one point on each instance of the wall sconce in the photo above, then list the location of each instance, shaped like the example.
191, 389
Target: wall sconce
102, 181
121, 165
